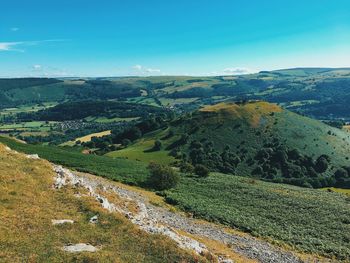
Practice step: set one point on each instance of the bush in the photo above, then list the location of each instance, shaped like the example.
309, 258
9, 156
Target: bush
201, 170
186, 168
157, 145
162, 177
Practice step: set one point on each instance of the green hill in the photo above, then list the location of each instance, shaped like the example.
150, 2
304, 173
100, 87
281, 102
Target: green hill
255, 139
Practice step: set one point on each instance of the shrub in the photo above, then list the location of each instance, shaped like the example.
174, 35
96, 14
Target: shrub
162, 177
201, 170
157, 145
186, 168
322, 163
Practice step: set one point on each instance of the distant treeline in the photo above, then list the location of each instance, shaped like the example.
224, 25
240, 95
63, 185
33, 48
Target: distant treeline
82, 109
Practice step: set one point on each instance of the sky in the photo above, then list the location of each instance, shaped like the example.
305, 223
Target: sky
63, 38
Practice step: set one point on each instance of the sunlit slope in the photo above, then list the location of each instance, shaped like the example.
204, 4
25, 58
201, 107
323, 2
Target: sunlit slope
29, 203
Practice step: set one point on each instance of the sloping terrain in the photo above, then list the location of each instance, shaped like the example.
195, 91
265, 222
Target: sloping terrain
256, 139
278, 213
41, 224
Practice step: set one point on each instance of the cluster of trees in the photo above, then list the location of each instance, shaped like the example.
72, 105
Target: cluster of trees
6, 85
278, 163
104, 89
342, 177
203, 153
129, 133
82, 109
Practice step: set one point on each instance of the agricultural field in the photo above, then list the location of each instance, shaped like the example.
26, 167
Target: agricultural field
87, 138
28, 126
312, 221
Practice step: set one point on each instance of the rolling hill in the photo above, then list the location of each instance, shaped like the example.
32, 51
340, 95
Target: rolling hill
256, 139
320, 93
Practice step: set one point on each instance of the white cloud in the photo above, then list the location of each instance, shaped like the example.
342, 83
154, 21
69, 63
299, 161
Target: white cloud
141, 70
237, 71
9, 46
14, 29
18, 46
37, 67
152, 70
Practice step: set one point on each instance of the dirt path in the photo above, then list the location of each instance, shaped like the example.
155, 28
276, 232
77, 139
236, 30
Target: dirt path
199, 236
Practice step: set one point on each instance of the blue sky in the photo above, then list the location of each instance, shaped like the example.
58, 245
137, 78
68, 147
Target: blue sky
159, 37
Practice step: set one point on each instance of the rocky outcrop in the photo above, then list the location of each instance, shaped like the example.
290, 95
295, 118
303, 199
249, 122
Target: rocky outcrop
81, 247
159, 220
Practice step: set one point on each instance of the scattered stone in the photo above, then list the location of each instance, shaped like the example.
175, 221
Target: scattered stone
158, 220
33, 156
81, 247
94, 219
62, 221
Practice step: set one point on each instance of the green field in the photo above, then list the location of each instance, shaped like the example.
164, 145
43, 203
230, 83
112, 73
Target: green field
109, 120
142, 150
312, 221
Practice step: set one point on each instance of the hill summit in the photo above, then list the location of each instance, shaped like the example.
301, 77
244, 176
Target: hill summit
263, 140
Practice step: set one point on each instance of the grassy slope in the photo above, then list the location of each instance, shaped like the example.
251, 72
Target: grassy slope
313, 221
126, 171
141, 150
28, 204
310, 220
250, 126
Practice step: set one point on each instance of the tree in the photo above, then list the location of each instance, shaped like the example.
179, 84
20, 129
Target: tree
201, 170
186, 167
162, 177
157, 145
322, 164
126, 142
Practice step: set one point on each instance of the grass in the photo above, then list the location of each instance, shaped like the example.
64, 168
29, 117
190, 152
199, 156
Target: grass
312, 221
109, 120
28, 204
126, 171
27, 108
338, 190
142, 150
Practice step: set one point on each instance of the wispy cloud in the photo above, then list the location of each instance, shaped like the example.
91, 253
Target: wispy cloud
39, 70
9, 46
141, 70
14, 29
237, 71
20, 45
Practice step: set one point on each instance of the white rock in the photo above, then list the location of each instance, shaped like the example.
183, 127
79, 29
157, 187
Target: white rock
81, 247
62, 221
33, 156
94, 219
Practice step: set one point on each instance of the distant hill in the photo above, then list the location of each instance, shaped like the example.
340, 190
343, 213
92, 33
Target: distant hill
321, 93
258, 139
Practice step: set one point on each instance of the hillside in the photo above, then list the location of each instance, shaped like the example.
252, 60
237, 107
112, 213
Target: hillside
29, 207
255, 139
277, 213
321, 93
